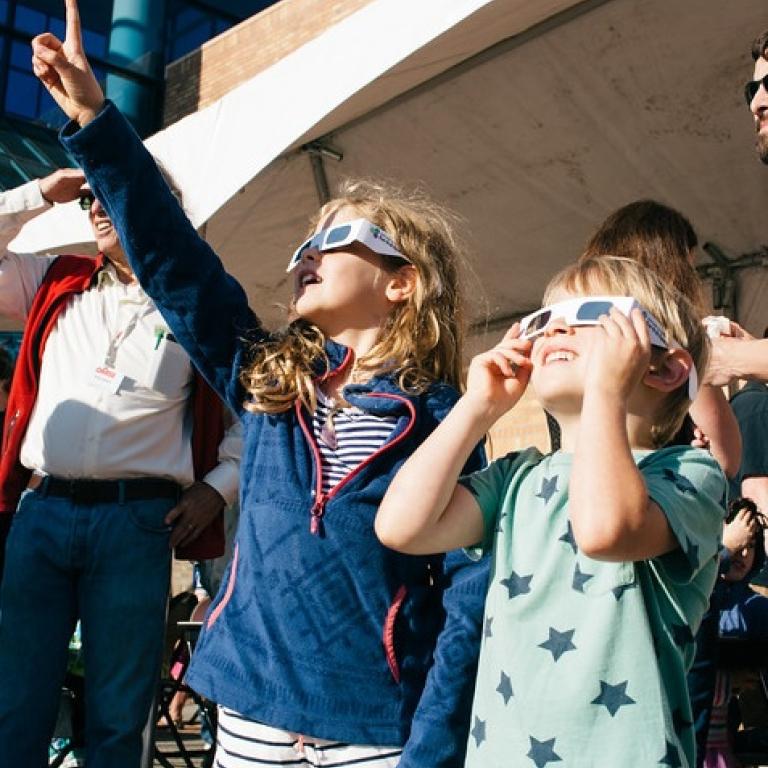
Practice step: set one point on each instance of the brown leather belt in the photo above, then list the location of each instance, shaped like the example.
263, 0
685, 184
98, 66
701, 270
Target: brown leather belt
105, 491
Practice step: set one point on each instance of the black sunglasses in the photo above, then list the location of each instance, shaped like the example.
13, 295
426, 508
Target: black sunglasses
85, 201
752, 87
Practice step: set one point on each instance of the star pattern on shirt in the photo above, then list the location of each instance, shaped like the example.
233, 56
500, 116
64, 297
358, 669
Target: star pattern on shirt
580, 579
558, 642
478, 731
618, 592
505, 687
517, 585
548, 488
567, 537
683, 484
681, 634
692, 553
488, 629
613, 697
672, 757
680, 722
543, 752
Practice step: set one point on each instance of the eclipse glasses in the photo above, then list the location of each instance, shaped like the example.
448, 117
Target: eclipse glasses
587, 310
339, 235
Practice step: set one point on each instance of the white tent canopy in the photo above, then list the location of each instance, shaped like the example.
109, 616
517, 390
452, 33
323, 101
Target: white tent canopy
533, 120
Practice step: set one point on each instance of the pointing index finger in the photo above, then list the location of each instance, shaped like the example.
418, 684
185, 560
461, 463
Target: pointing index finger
74, 34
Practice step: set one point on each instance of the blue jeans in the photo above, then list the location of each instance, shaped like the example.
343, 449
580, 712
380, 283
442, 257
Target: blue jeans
109, 565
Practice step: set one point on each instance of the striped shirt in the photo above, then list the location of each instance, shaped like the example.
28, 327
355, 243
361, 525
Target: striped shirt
241, 743
346, 437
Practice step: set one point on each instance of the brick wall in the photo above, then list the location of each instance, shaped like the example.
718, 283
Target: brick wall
525, 425
201, 77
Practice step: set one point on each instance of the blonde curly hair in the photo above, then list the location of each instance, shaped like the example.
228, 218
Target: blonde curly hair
422, 339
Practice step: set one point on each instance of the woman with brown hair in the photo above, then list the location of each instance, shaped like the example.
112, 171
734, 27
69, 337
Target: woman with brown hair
662, 239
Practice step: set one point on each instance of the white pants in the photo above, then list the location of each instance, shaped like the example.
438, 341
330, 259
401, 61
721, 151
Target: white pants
244, 743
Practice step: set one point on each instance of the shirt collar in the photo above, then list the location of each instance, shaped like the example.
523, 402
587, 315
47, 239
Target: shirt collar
107, 277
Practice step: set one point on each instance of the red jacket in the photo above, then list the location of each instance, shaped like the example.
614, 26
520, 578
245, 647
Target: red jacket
66, 277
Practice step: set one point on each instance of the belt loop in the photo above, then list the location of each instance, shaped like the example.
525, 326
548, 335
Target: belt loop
121, 492
43, 487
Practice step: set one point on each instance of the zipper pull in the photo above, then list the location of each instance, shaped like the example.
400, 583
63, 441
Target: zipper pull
316, 527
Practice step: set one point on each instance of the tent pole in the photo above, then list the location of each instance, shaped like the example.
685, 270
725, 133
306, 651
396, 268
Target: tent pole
317, 151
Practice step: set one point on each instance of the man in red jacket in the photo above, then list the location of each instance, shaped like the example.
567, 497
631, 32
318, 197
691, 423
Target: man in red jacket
109, 461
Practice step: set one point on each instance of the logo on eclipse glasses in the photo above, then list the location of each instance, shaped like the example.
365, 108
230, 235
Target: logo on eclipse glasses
379, 234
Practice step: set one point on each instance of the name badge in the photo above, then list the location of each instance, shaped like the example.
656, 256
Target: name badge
107, 378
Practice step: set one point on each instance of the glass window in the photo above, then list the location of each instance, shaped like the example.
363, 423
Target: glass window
222, 25
95, 43
31, 21
10, 173
59, 28
21, 95
189, 40
15, 145
21, 56
188, 17
48, 111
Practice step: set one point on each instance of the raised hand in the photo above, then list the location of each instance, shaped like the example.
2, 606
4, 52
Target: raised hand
498, 378
619, 355
62, 186
64, 70
740, 532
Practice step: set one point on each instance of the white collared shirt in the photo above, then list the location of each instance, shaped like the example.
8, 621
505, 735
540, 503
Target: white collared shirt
83, 428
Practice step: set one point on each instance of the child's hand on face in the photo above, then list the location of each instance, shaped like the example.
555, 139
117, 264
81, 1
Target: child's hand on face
619, 356
498, 378
740, 532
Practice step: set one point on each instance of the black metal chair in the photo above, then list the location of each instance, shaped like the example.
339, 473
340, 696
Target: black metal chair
169, 687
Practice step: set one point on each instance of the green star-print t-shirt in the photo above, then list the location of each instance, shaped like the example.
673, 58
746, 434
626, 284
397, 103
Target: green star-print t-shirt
583, 662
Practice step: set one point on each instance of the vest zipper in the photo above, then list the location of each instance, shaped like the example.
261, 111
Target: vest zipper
316, 525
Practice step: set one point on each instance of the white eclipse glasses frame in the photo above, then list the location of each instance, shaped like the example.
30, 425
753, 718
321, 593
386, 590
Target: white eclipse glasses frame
587, 310
340, 235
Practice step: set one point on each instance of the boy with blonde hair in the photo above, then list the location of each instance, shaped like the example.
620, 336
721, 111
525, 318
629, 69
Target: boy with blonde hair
604, 553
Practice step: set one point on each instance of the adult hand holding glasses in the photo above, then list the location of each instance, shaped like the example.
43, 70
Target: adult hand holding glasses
64, 70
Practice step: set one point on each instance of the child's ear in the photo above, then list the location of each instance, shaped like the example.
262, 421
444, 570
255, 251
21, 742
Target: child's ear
402, 284
668, 370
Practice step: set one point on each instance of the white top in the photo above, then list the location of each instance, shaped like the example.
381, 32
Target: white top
131, 422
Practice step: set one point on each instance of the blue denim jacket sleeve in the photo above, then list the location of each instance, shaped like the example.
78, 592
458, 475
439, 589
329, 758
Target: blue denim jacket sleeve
440, 725
173, 264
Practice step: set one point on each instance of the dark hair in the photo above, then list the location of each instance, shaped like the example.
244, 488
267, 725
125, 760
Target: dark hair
737, 505
657, 236
760, 46
734, 507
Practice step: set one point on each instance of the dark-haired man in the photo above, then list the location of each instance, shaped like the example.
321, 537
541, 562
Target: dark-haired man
756, 93
740, 356
107, 430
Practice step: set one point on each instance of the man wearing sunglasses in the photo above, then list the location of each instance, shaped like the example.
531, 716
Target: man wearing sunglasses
738, 355
756, 94
109, 461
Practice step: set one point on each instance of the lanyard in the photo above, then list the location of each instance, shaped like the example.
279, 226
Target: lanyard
118, 338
